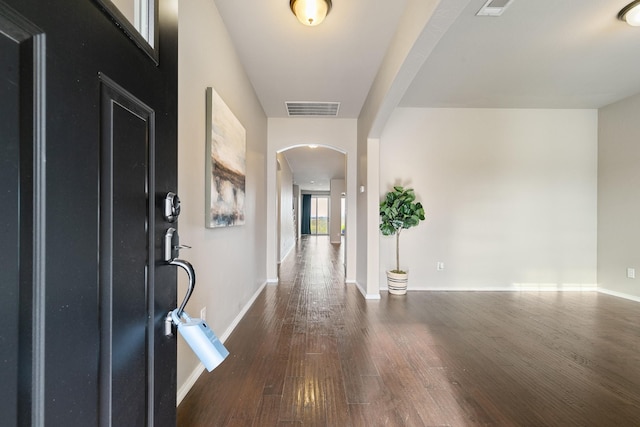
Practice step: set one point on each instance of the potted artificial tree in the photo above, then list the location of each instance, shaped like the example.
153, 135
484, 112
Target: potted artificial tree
399, 211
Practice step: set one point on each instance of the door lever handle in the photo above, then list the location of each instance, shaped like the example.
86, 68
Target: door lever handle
171, 249
186, 265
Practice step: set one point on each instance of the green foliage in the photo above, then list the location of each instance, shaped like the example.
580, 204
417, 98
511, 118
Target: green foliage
399, 211
319, 226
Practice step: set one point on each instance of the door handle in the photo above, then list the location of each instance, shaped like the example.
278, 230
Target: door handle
186, 265
171, 249
168, 320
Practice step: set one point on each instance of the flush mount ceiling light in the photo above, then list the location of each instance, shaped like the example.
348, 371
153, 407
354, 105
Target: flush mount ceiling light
310, 12
631, 13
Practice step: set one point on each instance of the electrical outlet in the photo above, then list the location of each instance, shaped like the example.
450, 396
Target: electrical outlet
203, 313
631, 273
440, 266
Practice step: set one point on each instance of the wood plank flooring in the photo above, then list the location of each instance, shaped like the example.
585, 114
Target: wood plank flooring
312, 352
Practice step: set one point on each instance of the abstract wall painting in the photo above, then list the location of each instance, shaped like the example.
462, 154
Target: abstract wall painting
225, 165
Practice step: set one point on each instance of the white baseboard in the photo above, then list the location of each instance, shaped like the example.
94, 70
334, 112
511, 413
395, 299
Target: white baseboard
619, 294
364, 292
513, 288
360, 288
184, 389
240, 315
287, 254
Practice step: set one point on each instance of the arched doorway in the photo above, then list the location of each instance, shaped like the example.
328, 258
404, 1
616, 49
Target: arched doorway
337, 134
311, 184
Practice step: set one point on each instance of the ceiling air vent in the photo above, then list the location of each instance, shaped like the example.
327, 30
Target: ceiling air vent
494, 8
313, 109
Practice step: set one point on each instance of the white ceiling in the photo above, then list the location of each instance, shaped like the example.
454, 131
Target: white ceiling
333, 62
315, 167
538, 54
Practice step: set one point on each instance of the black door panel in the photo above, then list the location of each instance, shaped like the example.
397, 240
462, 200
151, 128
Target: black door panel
126, 282
73, 322
9, 223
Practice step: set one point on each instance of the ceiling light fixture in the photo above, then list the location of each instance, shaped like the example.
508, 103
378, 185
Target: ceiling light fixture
631, 13
310, 12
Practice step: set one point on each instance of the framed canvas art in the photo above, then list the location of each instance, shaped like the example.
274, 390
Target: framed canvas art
225, 165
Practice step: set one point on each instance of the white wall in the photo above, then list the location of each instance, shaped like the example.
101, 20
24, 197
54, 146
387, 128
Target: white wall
285, 208
619, 198
337, 188
340, 134
297, 201
421, 26
510, 197
229, 262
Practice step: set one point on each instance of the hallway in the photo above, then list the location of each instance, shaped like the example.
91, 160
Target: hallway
312, 352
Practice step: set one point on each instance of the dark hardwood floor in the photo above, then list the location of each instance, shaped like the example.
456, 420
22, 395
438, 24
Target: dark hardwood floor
312, 352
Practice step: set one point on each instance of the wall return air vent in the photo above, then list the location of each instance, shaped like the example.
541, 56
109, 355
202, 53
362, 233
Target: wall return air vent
494, 8
312, 109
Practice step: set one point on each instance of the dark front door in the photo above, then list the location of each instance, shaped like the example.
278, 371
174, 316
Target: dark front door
9, 224
88, 145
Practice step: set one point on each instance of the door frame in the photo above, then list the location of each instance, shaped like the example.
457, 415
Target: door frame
31, 349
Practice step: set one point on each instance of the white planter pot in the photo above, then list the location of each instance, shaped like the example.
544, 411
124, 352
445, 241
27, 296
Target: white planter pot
397, 283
